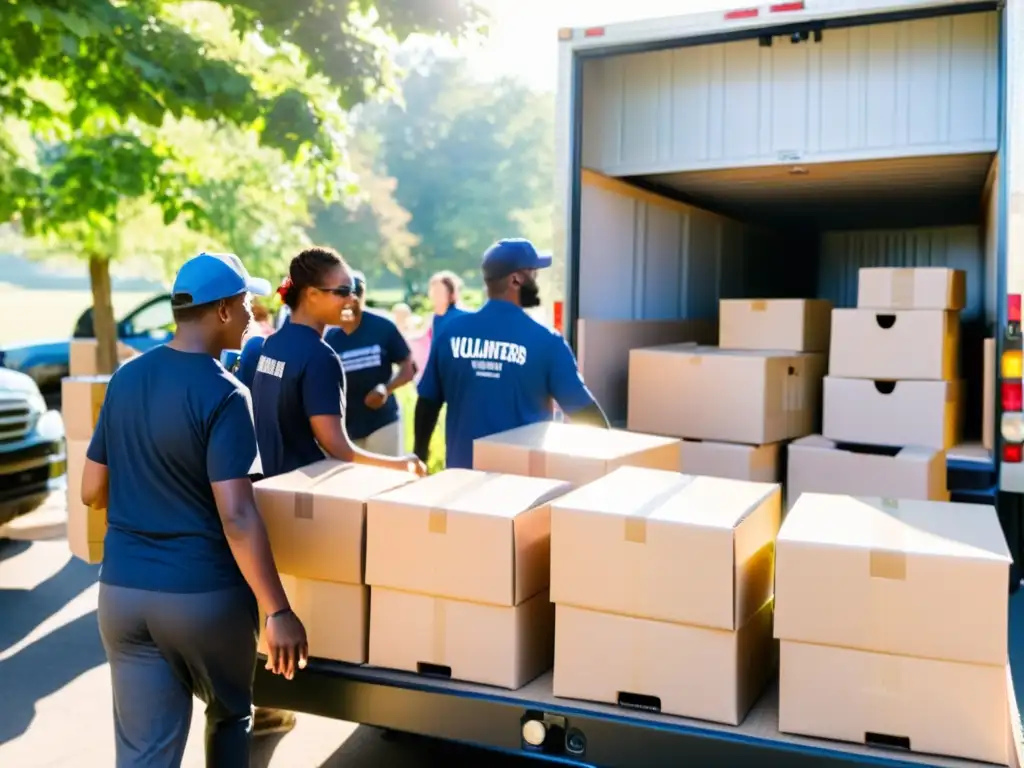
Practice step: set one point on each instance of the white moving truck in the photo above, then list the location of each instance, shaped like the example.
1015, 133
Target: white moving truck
760, 151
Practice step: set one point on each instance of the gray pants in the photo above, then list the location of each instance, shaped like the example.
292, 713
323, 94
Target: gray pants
163, 650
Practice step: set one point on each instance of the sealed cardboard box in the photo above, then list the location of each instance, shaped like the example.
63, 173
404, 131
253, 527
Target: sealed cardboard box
666, 546
501, 645
758, 463
81, 402
918, 578
87, 526
916, 288
735, 396
988, 409
316, 517
819, 465
336, 618
885, 700
794, 325
900, 344
675, 669
464, 535
83, 357
571, 452
893, 413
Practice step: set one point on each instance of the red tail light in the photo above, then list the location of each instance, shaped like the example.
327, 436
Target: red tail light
784, 7
559, 310
742, 13
1012, 395
1013, 452
1013, 308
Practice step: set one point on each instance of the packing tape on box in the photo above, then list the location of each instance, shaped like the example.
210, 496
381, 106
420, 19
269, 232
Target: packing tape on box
901, 289
888, 563
887, 569
759, 305
304, 499
439, 639
437, 516
636, 523
537, 463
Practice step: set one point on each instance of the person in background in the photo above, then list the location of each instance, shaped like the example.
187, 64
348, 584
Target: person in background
261, 318
443, 290
498, 368
401, 313
377, 362
186, 556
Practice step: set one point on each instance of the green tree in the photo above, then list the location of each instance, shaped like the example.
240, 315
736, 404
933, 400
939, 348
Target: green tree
97, 79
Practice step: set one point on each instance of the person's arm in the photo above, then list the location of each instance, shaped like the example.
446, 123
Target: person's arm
565, 383
428, 404
95, 490
405, 370
323, 392
231, 456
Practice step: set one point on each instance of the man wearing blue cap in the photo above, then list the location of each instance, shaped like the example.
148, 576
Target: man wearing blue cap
185, 551
498, 368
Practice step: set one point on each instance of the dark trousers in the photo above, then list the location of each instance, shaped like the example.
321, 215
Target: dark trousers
166, 648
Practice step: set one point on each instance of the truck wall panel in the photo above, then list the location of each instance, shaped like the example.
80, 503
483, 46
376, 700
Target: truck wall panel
910, 88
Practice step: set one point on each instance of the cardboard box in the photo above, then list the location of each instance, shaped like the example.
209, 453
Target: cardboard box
735, 396
916, 288
336, 618
506, 646
893, 413
666, 546
571, 452
818, 465
925, 705
988, 406
676, 669
901, 344
83, 357
918, 578
464, 535
794, 325
87, 526
81, 402
757, 463
316, 517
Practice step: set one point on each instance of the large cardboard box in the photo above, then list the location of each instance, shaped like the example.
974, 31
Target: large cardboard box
336, 618
675, 669
87, 526
571, 452
915, 288
818, 465
501, 645
900, 344
917, 578
794, 325
83, 357
988, 407
893, 413
316, 517
464, 535
81, 402
666, 546
757, 463
885, 700
753, 397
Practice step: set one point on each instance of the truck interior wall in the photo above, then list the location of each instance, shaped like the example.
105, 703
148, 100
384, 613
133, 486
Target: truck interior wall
921, 87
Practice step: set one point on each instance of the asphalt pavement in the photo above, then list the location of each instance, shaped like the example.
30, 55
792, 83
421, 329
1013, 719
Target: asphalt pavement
55, 705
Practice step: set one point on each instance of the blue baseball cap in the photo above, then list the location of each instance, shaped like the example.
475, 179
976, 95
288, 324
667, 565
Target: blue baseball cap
513, 254
211, 277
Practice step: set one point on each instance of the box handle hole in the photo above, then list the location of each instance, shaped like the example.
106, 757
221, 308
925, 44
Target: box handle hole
885, 387
639, 701
887, 740
433, 670
885, 322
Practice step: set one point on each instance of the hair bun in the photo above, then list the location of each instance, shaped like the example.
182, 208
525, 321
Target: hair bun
285, 287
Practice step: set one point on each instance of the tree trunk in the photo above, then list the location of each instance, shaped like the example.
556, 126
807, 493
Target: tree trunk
103, 321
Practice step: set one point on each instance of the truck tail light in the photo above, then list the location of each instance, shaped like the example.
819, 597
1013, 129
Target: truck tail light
1012, 396
741, 13
594, 32
559, 317
1013, 308
1011, 385
786, 7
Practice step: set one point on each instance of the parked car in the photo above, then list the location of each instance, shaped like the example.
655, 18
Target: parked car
46, 362
32, 454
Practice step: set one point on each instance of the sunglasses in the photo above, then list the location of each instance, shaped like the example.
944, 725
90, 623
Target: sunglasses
344, 291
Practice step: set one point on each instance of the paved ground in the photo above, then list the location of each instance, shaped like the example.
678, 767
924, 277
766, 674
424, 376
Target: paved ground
54, 683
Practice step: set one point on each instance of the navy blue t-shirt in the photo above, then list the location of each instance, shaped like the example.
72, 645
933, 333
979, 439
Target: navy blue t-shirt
498, 369
298, 376
368, 356
172, 423
441, 320
248, 359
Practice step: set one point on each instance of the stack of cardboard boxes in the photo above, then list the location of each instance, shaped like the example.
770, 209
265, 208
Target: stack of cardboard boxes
892, 399
734, 404
459, 568
663, 591
892, 617
82, 398
316, 521
83, 356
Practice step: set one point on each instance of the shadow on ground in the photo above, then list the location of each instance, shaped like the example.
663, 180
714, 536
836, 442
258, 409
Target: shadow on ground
363, 749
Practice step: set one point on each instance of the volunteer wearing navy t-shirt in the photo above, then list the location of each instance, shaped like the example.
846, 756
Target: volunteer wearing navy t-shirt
299, 388
498, 368
377, 361
185, 551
